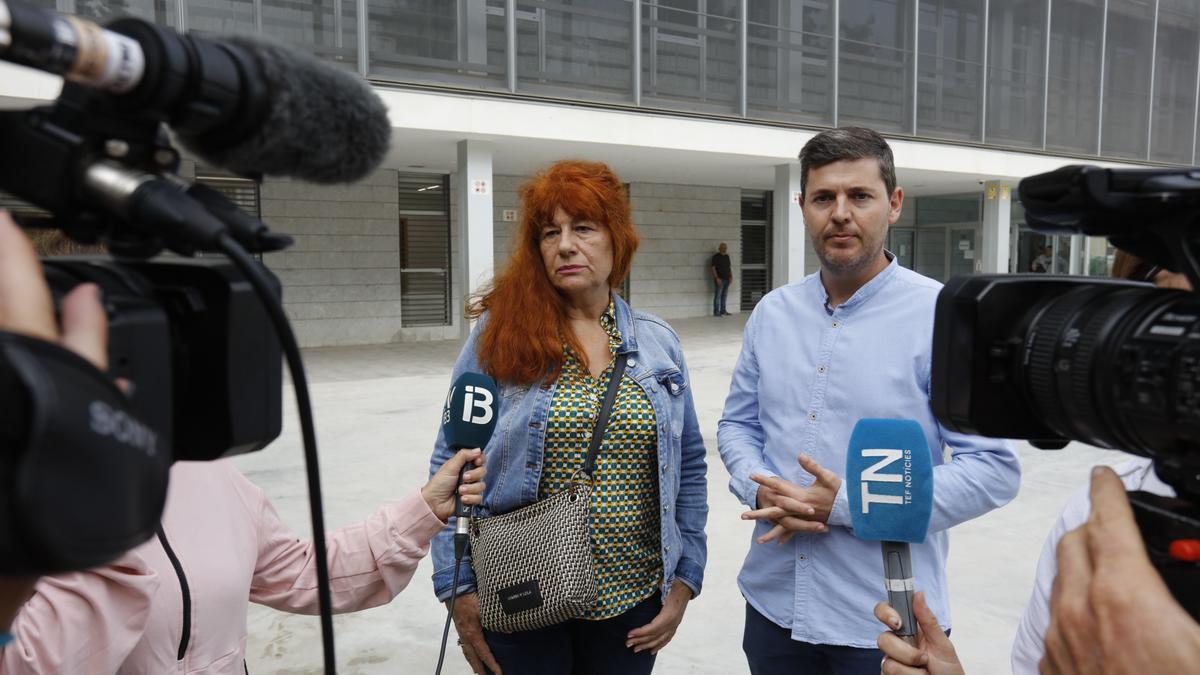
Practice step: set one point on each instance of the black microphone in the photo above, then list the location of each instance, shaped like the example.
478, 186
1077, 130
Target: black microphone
468, 420
241, 103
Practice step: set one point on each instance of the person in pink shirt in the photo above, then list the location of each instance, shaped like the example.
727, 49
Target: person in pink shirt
177, 603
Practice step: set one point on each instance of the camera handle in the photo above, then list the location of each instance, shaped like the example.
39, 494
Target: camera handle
1170, 528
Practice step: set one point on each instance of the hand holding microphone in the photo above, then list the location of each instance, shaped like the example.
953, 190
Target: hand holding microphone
468, 421
443, 491
933, 653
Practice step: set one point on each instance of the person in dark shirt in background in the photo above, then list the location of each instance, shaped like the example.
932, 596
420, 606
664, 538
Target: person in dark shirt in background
722, 273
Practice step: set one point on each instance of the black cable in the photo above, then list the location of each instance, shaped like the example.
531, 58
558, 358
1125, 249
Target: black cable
449, 615
262, 287
462, 542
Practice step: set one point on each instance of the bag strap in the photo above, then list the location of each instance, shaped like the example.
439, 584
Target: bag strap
614, 383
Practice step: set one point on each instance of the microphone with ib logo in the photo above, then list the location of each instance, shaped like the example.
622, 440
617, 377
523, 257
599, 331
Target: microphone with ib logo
468, 420
889, 484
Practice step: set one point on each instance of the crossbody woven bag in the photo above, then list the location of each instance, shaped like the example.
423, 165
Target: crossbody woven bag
533, 566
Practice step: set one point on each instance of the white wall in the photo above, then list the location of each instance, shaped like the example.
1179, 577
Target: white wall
681, 226
341, 279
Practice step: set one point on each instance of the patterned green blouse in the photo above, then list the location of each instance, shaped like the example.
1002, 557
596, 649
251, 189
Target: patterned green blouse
625, 524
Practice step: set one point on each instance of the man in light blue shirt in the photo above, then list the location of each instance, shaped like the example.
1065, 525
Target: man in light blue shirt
849, 342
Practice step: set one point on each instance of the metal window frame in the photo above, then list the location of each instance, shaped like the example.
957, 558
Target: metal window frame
1046, 71
1103, 69
983, 103
768, 224
743, 55
447, 272
216, 179
916, 64
837, 58
1153, 67
1196, 104
637, 44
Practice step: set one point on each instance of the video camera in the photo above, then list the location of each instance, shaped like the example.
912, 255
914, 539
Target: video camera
1115, 364
192, 338
83, 464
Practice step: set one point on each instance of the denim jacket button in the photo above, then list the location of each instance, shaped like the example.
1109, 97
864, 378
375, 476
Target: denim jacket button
632, 362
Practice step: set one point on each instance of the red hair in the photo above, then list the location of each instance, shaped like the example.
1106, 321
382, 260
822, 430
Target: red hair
521, 342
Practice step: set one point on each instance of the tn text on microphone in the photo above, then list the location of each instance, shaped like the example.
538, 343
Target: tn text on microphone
877, 474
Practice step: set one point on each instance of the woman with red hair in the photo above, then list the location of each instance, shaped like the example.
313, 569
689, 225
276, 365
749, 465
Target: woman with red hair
549, 330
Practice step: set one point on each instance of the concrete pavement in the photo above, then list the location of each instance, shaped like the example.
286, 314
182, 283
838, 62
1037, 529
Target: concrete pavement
377, 411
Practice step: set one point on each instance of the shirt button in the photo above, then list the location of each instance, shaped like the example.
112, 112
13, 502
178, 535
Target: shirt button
835, 324
821, 370
812, 416
802, 557
666, 507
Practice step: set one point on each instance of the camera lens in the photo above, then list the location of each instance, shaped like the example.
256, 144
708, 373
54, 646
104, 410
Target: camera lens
1117, 368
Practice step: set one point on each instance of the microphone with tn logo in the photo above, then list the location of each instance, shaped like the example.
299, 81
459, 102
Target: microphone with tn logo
468, 420
889, 484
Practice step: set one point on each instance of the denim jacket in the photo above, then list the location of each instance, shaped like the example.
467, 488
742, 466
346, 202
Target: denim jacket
515, 453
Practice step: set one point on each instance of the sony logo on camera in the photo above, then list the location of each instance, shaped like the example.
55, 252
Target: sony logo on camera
121, 427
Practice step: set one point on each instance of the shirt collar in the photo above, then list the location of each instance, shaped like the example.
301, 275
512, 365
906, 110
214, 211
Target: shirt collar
617, 313
866, 292
608, 321
624, 320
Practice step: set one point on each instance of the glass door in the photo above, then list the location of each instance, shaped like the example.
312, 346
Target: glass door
902, 244
961, 251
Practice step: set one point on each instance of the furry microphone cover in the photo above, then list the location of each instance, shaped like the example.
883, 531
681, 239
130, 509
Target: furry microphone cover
323, 125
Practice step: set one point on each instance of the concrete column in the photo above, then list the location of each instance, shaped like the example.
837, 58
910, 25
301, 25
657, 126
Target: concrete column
1077, 262
475, 186
787, 227
996, 239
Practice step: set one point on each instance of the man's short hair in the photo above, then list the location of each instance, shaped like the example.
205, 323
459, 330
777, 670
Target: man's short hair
847, 143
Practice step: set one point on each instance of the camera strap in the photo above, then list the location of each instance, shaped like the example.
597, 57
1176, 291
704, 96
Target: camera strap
82, 480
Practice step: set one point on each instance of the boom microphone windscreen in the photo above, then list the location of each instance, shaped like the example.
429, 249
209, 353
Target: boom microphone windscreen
322, 124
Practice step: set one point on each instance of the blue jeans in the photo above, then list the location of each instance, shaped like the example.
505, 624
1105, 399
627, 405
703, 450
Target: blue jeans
771, 650
719, 294
578, 647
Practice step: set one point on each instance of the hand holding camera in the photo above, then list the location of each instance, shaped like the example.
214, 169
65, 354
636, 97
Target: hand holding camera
26, 308
1111, 612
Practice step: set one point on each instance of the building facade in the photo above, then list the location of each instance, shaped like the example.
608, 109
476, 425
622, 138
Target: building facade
701, 106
